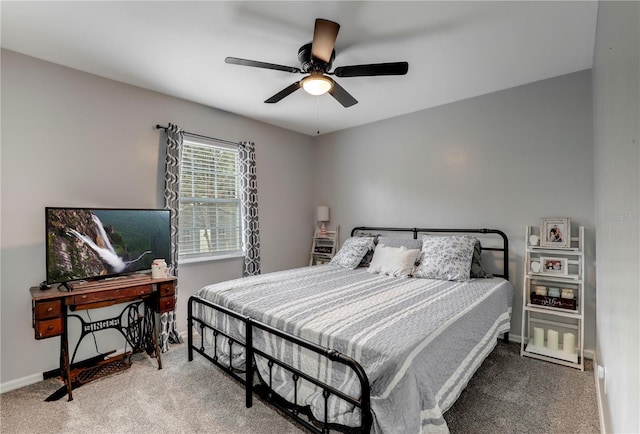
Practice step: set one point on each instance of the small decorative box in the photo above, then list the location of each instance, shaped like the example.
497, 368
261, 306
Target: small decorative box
548, 301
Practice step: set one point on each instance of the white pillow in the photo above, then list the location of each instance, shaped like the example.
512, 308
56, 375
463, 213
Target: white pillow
446, 257
393, 261
352, 252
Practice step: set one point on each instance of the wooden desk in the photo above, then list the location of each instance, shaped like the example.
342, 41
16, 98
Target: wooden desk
50, 312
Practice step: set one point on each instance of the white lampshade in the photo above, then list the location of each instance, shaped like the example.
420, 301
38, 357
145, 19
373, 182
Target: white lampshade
323, 213
317, 84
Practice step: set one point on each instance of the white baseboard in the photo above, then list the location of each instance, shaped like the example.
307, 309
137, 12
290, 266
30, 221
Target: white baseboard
515, 338
20, 382
599, 395
36, 378
591, 355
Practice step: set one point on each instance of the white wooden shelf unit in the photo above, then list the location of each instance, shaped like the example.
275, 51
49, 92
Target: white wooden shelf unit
323, 248
560, 319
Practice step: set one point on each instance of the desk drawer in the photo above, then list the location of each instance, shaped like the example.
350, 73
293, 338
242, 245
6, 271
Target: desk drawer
113, 294
166, 289
48, 328
48, 309
166, 304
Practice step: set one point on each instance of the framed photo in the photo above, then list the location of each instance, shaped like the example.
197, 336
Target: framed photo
555, 232
557, 266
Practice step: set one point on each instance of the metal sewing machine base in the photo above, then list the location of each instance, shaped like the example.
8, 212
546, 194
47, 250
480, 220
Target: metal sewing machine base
138, 333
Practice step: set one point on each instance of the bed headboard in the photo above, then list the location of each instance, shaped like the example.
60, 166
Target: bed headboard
500, 249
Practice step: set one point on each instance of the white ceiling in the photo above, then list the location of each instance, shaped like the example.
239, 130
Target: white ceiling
455, 50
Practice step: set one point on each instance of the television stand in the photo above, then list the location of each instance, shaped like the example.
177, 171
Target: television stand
50, 313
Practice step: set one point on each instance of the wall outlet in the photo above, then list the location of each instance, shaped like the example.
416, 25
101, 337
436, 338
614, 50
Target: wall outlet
602, 374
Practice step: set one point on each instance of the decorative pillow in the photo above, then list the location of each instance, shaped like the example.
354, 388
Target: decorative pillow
409, 243
446, 257
369, 255
393, 261
476, 267
352, 252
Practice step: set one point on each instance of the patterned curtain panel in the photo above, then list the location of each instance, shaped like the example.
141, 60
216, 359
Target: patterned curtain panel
168, 331
249, 193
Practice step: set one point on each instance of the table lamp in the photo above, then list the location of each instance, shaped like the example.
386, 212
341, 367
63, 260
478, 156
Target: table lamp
322, 215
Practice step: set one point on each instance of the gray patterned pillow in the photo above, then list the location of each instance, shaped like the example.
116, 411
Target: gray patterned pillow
369, 255
476, 267
446, 258
352, 252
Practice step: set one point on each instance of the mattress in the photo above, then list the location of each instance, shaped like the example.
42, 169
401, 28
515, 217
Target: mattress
418, 340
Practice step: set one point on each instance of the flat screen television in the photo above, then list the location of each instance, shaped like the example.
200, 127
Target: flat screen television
94, 243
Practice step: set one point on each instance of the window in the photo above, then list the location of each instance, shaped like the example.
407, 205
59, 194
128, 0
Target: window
210, 220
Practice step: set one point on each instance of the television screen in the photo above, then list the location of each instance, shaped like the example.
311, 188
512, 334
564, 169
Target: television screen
88, 243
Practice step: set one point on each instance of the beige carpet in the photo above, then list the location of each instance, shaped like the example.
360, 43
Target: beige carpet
183, 397
508, 394
513, 394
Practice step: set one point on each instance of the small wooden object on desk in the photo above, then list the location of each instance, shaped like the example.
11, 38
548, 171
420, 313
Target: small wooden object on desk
50, 314
324, 247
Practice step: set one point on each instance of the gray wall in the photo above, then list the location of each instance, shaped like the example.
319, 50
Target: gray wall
74, 139
501, 160
616, 94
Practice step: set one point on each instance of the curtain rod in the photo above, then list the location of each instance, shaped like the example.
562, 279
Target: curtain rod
160, 127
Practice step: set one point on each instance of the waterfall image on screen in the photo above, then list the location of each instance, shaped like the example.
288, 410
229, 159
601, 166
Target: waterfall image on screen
92, 243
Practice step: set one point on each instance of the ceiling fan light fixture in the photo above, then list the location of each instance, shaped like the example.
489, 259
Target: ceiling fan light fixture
316, 59
317, 84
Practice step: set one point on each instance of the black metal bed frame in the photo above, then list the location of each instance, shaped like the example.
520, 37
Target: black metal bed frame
415, 231
253, 381
264, 386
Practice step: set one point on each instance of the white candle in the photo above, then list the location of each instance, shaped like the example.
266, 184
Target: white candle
538, 337
569, 343
567, 293
552, 340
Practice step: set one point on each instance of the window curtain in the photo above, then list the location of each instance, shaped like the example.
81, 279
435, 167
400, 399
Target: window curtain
249, 199
168, 330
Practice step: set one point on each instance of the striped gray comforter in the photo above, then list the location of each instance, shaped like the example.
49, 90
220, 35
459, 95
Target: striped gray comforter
418, 340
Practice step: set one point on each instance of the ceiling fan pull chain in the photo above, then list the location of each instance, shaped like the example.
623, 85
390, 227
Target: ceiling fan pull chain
318, 118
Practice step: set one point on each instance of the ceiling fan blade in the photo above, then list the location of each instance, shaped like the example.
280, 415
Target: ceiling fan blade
283, 93
324, 39
256, 64
393, 68
342, 96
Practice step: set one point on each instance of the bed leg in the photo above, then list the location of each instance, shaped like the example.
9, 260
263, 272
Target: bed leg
249, 363
505, 338
190, 330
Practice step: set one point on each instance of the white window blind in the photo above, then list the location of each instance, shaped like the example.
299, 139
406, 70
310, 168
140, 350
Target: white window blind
210, 223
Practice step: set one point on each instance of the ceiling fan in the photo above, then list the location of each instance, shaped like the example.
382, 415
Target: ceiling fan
316, 59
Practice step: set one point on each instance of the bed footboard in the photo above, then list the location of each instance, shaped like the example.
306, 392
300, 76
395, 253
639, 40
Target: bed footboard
254, 382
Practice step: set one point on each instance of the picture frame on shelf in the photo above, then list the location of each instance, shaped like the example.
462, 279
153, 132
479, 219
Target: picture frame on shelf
557, 266
555, 232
